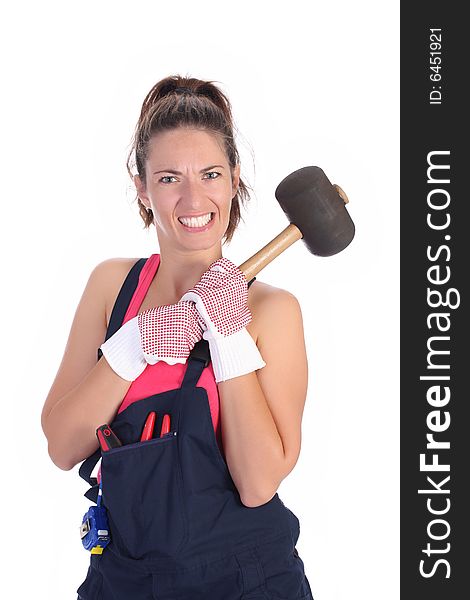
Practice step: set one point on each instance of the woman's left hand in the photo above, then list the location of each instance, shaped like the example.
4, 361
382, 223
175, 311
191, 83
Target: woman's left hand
221, 298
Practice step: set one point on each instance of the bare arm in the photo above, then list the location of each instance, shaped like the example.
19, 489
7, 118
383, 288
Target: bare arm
85, 393
261, 412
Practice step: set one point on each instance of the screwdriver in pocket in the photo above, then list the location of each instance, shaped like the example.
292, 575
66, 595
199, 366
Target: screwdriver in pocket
107, 438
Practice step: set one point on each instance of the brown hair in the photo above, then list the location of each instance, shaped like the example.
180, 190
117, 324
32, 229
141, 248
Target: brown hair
200, 105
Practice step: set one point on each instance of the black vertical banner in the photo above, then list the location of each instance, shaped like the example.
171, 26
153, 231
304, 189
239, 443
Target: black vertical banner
435, 357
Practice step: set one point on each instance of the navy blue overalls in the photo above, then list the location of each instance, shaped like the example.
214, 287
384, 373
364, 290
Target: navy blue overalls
179, 530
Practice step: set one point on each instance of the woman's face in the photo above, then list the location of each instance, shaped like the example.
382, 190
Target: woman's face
189, 187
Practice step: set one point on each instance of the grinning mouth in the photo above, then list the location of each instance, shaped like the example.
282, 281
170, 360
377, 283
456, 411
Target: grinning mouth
196, 221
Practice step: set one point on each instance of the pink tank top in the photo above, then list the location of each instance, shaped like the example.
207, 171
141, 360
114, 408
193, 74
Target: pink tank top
161, 376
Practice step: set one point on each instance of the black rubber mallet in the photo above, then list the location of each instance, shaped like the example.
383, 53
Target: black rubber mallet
317, 214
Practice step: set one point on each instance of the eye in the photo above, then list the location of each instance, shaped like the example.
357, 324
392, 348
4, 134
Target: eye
212, 173
167, 177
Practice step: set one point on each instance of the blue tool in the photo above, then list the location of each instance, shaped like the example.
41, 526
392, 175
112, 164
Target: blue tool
94, 529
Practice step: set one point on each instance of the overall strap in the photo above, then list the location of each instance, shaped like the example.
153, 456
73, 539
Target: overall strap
117, 316
198, 360
122, 301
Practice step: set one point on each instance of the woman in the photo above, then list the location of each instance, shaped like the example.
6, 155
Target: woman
193, 514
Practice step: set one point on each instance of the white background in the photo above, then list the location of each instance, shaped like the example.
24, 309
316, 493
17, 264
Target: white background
311, 83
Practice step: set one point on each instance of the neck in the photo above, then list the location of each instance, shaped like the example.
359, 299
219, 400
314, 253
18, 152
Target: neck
179, 271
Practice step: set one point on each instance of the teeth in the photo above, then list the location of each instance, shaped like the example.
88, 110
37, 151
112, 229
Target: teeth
196, 221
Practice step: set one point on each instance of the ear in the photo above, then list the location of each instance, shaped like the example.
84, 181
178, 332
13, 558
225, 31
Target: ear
140, 188
235, 179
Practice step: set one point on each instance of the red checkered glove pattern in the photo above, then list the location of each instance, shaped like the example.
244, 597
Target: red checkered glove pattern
165, 333
220, 297
169, 332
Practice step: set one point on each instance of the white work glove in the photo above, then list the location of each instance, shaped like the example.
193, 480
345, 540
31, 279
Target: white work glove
221, 298
166, 333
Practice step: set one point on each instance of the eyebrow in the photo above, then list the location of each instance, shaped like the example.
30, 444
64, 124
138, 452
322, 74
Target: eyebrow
173, 172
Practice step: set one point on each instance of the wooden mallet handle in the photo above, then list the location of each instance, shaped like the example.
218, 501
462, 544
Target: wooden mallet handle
263, 257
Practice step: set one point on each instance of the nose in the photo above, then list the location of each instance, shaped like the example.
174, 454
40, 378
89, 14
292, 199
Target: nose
192, 195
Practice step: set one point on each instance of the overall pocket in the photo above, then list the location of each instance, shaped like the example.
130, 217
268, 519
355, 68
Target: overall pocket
91, 588
142, 491
284, 574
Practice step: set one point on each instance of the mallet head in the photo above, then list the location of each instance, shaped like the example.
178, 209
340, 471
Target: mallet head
312, 204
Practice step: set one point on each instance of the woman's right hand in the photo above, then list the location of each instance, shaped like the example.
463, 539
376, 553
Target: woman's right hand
166, 333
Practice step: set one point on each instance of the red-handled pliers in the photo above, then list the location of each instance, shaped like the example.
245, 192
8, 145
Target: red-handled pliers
148, 427
165, 425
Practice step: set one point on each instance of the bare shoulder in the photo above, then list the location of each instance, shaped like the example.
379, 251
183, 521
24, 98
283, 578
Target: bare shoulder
262, 292
269, 304
111, 273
